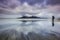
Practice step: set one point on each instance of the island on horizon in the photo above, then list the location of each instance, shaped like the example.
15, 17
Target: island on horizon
26, 17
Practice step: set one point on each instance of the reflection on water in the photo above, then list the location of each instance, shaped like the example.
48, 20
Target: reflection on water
14, 29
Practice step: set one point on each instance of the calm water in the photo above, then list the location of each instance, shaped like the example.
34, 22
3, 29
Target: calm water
15, 27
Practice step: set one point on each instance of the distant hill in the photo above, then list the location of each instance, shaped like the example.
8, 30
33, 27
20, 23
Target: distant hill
58, 18
31, 17
28, 17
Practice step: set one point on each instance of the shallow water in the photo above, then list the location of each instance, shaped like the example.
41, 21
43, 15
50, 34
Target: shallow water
15, 27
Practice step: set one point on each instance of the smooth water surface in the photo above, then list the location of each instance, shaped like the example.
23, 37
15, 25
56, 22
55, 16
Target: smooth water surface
15, 27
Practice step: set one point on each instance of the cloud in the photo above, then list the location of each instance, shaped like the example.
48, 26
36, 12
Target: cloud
55, 8
26, 9
49, 2
31, 2
54, 2
9, 3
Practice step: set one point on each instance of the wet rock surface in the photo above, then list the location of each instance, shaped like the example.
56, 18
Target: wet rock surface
14, 35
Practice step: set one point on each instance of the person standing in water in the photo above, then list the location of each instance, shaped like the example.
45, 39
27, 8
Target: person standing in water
53, 20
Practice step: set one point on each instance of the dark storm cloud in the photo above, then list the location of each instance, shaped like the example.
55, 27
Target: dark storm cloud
54, 2
31, 2
8, 3
14, 3
49, 2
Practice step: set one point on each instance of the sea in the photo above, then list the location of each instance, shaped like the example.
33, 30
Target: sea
16, 29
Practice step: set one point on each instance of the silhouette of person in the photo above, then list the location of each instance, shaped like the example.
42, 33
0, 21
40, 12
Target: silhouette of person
53, 20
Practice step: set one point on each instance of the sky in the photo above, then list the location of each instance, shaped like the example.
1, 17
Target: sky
18, 8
